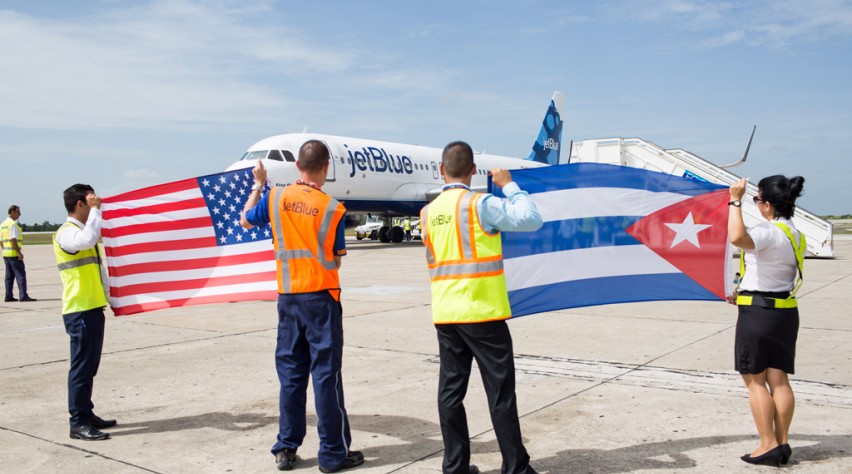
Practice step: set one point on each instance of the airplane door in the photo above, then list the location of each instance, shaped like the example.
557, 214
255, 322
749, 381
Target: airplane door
332, 162
435, 173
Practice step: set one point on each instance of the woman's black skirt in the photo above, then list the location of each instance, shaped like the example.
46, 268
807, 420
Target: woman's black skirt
766, 338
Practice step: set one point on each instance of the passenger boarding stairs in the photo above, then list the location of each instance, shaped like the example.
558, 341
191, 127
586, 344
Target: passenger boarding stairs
638, 153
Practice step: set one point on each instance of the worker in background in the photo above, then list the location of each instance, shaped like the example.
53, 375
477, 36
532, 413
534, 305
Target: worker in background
406, 225
470, 304
13, 256
75, 246
308, 234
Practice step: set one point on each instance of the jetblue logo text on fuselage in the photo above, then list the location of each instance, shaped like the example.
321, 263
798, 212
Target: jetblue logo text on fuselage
551, 144
378, 160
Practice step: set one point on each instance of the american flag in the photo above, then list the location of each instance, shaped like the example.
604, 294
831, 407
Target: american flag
181, 243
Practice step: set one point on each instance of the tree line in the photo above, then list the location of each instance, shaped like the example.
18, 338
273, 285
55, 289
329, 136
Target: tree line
43, 227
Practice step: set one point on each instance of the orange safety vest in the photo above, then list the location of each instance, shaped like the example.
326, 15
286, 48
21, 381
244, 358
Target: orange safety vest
465, 262
304, 226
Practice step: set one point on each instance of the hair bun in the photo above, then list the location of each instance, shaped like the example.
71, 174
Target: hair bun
796, 185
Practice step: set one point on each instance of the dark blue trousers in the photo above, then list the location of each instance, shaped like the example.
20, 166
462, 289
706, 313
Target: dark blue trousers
490, 343
310, 343
15, 270
86, 330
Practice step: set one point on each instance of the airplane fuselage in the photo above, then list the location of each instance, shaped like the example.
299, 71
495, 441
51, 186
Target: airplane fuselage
370, 175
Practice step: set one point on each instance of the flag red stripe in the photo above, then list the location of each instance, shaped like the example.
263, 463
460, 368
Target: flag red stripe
185, 244
182, 224
192, 264
155, 209
227, 298
197, 283
145, 193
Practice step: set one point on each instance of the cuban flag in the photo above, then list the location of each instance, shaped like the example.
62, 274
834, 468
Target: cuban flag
615, 234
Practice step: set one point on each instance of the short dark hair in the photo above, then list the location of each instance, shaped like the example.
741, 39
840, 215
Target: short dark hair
457, 159
782, 193
313, 156
13, 208
76, 193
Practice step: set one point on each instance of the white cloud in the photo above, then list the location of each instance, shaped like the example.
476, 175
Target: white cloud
164, 64
770, 23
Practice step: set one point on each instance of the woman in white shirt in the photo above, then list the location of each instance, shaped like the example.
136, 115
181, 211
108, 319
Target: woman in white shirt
768, 321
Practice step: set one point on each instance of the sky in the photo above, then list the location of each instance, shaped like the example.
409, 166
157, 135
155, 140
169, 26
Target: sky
123, 94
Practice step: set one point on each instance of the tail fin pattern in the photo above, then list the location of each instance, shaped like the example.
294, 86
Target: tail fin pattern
547, 145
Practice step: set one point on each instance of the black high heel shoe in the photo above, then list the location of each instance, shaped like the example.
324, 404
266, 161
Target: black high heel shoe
769, 458
787, 452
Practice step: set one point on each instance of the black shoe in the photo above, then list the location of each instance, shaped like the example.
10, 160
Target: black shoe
769, 458
285, 459
473, 469
353, 458
27, 298
100, 423
9, 300
87, 433
787, 452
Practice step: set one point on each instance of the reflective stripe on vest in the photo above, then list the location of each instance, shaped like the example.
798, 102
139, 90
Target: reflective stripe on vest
465, 263
82, 288
5, 231
790, 301
304, 240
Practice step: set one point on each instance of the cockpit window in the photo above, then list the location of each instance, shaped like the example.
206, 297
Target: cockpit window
288, 156
255, 155
274, 155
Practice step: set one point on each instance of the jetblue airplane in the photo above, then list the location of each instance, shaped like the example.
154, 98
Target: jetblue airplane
391, 179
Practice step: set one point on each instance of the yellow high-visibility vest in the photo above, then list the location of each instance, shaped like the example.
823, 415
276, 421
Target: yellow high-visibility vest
82, 288
790, 301
5, 231
465, 262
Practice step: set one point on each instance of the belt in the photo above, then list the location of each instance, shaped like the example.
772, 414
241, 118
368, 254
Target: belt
767, 302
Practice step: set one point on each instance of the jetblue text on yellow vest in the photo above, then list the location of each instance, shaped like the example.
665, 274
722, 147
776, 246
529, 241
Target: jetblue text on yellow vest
5, 232
304, 227
790, 301
82, 288
465, 262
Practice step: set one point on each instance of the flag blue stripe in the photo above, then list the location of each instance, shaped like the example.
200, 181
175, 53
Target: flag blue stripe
570, 234
610, 290
596, 175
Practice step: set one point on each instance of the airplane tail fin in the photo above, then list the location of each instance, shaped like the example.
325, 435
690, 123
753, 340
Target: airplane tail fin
547, 144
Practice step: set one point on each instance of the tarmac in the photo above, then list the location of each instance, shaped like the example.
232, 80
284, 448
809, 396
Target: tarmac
645, 387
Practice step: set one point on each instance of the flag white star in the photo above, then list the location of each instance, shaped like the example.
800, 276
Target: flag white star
687, 230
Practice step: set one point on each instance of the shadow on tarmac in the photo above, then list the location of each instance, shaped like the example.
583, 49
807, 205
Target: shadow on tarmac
672, 455
216, 420
419, 439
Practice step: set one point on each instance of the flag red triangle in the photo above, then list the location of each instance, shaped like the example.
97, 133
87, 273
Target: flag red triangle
692, 235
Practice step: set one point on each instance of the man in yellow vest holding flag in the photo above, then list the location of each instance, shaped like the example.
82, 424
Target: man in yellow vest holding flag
75, 246
470, 304
13, 255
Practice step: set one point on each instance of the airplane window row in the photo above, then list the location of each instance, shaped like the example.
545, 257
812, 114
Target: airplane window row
277, 155
417, 166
